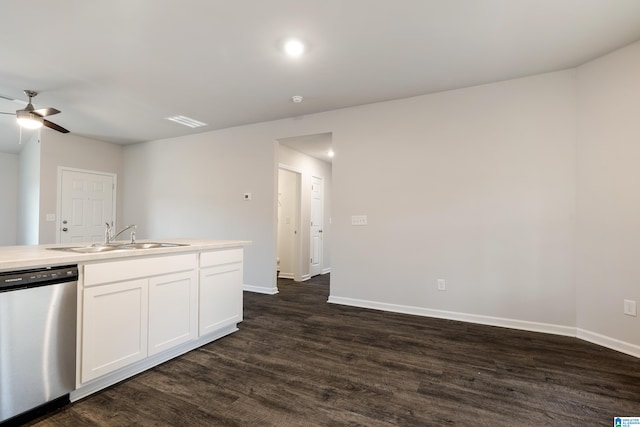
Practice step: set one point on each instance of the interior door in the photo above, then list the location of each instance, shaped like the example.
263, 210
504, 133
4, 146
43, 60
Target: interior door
86, 204
315, 266
288, 243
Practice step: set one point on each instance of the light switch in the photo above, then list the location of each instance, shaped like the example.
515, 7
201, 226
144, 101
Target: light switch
358, 220
630, 307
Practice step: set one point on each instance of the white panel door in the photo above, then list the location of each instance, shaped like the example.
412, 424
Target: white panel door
173, 305
86, 204
315, 266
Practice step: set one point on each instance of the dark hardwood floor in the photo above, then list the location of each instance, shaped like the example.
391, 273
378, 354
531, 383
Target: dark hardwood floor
298, 361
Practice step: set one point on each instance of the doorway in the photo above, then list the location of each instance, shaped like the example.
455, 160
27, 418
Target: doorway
289, 235
305, 157
86, 201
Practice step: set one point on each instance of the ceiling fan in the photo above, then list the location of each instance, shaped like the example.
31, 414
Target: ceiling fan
31, 118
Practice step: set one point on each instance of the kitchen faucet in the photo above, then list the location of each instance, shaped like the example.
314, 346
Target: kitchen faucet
110, 237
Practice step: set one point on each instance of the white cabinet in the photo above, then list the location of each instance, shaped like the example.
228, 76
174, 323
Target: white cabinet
114, 327
137, 312
125, 321
220, 289
173, 307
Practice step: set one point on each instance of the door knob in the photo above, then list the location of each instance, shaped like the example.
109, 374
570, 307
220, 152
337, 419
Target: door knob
65, 229
64, 221
319, 231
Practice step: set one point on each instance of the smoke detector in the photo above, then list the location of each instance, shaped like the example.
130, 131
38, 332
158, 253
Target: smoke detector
297, 99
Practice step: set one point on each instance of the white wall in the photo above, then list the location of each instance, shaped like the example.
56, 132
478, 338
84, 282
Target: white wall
308, 167
513, 192
608, 225
194, 186
8, 199
474, 186
78, 152
29, 192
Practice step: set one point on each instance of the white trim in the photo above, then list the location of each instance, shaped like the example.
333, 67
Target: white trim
464, 317
612, 343
326, 270
524, 325
260, 289
286, 276
305, 277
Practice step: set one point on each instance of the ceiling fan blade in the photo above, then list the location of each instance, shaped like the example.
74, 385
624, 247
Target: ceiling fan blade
54, 126
13, 114
44, 112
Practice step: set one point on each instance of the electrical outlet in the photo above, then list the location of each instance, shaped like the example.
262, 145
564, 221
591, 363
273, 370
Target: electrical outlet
442, 286
630, 307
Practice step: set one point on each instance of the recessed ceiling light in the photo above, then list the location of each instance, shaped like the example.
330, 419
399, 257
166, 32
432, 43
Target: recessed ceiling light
331, 153
297, 99
186, 121
294, 47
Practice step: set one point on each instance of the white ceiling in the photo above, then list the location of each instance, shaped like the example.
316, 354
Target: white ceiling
117, 68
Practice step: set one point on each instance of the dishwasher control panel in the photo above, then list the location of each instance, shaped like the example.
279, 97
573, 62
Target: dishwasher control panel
12, 280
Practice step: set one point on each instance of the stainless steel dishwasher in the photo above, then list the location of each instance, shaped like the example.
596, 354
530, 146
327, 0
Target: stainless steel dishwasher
37, 341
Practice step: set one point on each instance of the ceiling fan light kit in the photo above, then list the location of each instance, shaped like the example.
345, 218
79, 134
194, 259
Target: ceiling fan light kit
29, 120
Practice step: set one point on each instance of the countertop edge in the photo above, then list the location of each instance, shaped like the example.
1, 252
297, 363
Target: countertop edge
34, 256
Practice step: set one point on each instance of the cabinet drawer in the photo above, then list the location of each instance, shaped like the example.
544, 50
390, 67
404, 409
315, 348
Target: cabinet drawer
114, 271
225, 256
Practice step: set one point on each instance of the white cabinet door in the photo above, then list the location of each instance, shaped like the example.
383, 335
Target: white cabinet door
173, 304
220, 297
114, 327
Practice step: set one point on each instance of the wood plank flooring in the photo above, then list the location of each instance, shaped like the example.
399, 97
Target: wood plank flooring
298, 361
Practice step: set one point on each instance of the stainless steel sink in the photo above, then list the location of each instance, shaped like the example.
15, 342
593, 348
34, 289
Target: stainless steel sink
151, 245
98, 248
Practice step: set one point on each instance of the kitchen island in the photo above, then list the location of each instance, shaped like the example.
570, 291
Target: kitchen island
138, 308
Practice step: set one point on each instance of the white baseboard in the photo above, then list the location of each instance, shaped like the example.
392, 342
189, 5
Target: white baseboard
326, 270
569, 331
260, 289
612, 343
286, 276
305, 277
464, 317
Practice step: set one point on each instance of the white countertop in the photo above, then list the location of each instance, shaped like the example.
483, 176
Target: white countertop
24, 257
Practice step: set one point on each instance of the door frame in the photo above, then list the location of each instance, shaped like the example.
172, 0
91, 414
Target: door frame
297, 241
313, 177
61, 170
